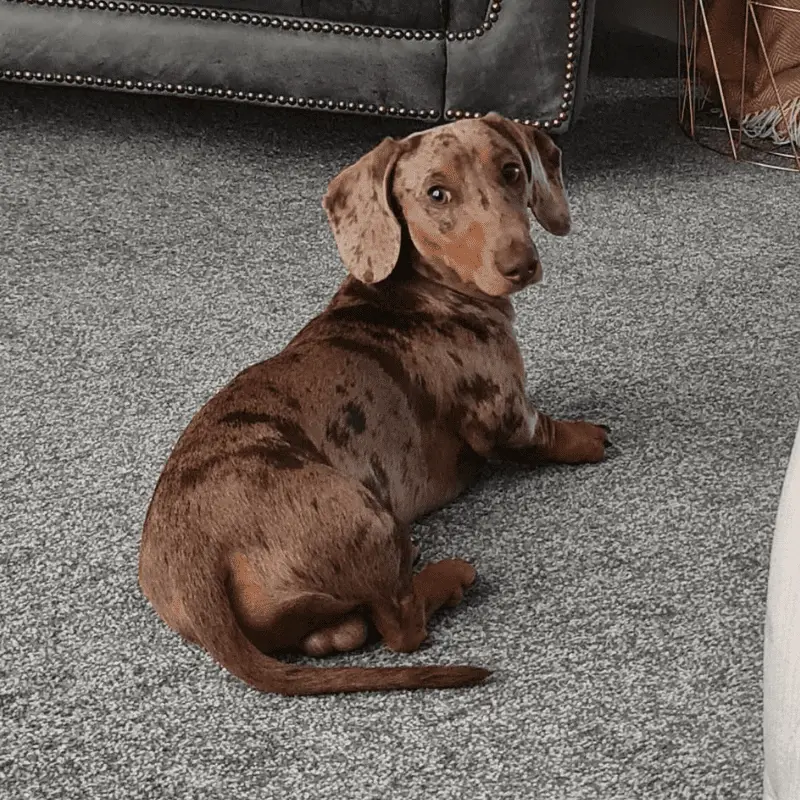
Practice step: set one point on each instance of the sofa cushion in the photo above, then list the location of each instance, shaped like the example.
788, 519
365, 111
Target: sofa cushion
415, 14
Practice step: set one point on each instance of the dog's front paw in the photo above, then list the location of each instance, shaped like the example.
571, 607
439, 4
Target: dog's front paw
586, 442
462, 575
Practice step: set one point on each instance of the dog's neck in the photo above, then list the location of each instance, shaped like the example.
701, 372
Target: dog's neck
418, 268
415, 283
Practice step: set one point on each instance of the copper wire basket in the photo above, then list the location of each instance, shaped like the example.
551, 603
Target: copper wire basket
711, 121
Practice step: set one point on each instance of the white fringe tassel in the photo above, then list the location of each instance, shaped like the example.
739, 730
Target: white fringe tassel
770, 124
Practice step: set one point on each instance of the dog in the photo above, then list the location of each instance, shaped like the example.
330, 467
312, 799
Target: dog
281, 520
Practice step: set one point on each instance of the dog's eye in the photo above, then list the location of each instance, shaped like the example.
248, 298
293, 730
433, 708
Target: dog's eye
439, 195
511, 173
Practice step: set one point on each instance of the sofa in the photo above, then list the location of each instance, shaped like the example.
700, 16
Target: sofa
428, 60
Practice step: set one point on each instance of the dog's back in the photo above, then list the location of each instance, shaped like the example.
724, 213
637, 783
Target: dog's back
358, 415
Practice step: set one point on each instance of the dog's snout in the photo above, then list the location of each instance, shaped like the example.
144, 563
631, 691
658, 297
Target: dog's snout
520, 271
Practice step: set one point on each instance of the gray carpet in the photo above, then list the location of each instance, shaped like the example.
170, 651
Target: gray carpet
152, 248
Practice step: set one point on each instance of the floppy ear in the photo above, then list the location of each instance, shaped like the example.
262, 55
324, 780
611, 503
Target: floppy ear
548, 200
358, 205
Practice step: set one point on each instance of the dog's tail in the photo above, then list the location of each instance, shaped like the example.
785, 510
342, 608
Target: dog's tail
217, 629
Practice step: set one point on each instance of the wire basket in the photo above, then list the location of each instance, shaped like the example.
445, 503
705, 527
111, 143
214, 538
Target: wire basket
705, 113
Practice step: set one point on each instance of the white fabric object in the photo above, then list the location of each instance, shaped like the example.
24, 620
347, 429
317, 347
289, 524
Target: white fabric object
782, 645
781, 125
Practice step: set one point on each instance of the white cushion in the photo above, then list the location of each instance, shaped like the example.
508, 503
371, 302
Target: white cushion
782, 645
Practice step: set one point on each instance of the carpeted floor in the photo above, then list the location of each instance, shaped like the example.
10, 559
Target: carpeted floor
150, 249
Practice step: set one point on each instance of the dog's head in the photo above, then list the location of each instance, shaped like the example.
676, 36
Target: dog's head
462, 192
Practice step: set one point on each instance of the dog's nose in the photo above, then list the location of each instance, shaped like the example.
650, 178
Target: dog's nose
519, 272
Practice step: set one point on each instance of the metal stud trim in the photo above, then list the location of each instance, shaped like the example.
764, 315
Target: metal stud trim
262, 98
240, 17
492, 15
252, 18
568, 95
192, 12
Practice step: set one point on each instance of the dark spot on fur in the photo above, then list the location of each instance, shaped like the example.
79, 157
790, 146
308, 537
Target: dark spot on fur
421, 401
373, 316
354, 415
338, 433
460, 161
334, 201
475, 325
484, 200
276, 455
297, 438
368, 394
282, 444
291, 450
478, 387
314, 504
369, 275
244, 417
445, 328
384, 309
510, 423
412, 145
478, 434
340, 389
456, 358
446, 138
191, 477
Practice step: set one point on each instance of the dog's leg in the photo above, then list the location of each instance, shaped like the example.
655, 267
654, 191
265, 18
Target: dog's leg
403, 622
511, 430
544, 439
347, 634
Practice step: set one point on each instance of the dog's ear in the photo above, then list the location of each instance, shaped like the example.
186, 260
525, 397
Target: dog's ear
359, 208
548, 200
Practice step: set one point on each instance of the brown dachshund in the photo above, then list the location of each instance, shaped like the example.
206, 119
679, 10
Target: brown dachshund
281, 520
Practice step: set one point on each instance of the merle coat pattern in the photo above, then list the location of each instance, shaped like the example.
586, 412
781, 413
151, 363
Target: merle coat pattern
281, 521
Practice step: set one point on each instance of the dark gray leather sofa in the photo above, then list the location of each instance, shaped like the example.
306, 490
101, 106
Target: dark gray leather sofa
421, 59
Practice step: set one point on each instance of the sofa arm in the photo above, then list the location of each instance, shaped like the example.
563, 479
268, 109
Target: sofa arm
528, 61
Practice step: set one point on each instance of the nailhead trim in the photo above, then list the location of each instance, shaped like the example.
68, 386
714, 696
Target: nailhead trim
244, 18
569, 74
492, 16
240, 17
219, 93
